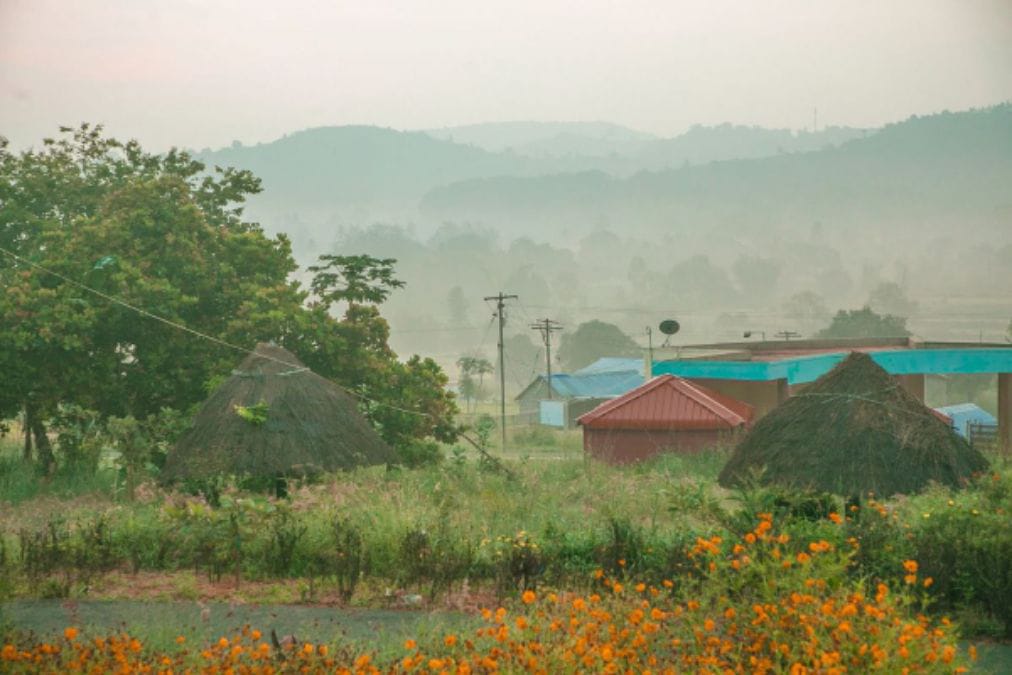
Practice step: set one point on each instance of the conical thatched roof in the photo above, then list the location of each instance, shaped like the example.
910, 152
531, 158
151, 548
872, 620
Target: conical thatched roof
854, 430
311, 424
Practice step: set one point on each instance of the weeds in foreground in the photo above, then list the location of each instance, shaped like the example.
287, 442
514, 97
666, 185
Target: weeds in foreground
763, 603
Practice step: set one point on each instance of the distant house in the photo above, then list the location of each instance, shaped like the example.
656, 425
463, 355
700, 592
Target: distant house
964, 416
573, 394
666, 414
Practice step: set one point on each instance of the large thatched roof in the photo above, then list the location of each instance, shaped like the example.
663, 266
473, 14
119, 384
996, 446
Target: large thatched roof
311, 424
855, 430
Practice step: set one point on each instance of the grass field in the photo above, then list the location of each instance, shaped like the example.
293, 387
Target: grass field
363, 559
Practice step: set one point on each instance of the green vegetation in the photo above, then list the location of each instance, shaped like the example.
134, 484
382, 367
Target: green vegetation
458, 527
90, 212
592, 340
864, 323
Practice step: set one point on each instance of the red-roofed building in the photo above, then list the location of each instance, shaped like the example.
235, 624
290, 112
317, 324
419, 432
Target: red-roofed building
665, 414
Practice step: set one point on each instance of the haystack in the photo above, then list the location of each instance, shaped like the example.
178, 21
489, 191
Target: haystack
275, 417
855, 430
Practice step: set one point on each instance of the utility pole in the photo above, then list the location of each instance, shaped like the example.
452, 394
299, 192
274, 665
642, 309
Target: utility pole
547, 327
500, 305
650, 354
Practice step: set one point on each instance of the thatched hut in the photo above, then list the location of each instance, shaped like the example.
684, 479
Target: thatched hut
855, 430
275, 417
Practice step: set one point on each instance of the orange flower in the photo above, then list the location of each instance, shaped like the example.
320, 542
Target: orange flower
928, 581
255, 635
410, 644
803, 557
70, 633
450, 640
528, 597
910, 566
835, 517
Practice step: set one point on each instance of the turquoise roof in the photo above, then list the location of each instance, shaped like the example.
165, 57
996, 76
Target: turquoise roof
808, 368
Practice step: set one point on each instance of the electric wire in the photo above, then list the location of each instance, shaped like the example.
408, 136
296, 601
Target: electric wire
186, 329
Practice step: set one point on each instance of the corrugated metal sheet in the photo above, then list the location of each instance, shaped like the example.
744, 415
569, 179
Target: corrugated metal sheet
963, 414
610, 364
669, 402
601, 385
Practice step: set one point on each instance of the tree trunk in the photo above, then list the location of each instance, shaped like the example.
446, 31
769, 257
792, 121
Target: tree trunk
27, 428
44, 449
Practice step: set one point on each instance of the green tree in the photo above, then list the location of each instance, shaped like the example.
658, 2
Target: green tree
470, 367
354, 279
157, 235
864, 323
593, 340
889, 297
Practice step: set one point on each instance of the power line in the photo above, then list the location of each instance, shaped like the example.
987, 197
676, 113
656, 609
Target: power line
546, 327
501, 299
186, 329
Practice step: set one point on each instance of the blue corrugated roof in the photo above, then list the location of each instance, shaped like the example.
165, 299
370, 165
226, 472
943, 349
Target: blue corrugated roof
610, 364
962, 414
599, 385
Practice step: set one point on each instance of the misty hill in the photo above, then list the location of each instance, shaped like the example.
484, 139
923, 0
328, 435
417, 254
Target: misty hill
950, 170
355, 172
548, 139
623, 150
317, 179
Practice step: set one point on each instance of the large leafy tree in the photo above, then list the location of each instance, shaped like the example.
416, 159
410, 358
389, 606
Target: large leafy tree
593, 340
864, 323
161, 234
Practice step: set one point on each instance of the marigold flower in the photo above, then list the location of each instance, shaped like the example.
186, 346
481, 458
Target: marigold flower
450, 640
223, 642
255, 635
835, 517
910, 566
803, 558
641, 587
528, 597
362, 661
910, 579
70, 633
410, 644
928, 581
181, 639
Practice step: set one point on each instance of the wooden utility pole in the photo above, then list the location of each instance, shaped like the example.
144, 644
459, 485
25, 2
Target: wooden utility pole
500, 306
546, 327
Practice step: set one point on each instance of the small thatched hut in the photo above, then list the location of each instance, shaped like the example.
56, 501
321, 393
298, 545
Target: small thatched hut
275, 417
855, 430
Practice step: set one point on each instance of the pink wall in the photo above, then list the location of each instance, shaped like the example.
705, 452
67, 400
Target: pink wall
622, 446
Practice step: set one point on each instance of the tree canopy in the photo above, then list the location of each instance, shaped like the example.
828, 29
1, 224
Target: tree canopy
864, 323
593, 340
162, 236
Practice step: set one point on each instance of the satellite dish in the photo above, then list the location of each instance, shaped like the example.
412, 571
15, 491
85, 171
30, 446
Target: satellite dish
669, 326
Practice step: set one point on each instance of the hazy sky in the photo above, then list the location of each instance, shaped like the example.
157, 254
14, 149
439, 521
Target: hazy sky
204, 72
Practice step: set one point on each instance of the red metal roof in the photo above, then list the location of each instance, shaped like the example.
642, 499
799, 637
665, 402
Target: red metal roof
669, 402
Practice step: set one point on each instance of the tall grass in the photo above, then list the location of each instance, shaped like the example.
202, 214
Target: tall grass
20, 481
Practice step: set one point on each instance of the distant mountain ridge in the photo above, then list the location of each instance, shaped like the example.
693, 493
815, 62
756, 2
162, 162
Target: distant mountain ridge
930, 170
945, 170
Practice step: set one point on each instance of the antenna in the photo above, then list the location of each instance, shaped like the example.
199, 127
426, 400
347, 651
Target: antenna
669, 327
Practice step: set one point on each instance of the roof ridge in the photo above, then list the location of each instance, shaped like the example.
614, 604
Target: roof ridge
627, 397
725, 413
